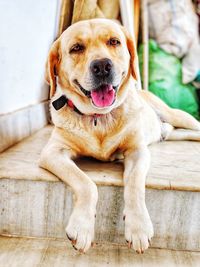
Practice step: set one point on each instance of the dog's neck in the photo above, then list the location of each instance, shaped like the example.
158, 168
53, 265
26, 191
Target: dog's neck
63, 100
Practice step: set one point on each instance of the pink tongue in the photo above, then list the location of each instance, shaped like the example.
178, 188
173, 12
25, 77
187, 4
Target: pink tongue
104, 96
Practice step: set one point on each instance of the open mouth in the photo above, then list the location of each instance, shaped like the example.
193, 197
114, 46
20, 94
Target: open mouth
87, 93
102, 96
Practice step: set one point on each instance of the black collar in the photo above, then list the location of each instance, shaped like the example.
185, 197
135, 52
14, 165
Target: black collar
63, 100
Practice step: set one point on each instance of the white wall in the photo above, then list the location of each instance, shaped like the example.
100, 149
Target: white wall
27, 28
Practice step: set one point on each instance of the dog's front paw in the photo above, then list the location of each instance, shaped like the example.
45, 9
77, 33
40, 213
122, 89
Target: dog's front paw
138, 229
80, 229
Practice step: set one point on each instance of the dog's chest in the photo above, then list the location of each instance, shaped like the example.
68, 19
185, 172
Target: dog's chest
100, 141
97, 146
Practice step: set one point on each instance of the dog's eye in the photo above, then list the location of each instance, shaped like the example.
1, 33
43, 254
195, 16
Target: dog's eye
76, 48
113, 42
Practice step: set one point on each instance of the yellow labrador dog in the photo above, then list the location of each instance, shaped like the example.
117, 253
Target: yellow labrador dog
97, 112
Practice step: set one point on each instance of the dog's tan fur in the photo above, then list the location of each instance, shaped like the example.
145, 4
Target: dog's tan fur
135, 120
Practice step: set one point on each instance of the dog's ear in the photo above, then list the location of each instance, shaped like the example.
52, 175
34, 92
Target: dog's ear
133, 53
52, 66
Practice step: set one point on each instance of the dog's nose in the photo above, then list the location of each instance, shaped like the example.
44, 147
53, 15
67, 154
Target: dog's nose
101, 68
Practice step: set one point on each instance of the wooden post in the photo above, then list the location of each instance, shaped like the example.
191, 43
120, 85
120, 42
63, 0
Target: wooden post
65, 15
145, 39
136, 19
127, 11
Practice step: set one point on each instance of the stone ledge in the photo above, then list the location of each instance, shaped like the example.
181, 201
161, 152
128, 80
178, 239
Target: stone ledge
174, 165
42, 209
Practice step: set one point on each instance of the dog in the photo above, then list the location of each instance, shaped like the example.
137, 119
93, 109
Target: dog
98, 112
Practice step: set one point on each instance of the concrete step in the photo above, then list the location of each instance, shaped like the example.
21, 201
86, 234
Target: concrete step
36, 203
26, 252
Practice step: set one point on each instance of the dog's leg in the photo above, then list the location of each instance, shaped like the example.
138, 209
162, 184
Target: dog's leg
175, 117
170, 134
138, 225
183, 134
80, 229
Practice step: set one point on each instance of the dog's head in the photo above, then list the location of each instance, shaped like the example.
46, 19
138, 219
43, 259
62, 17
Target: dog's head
91, 61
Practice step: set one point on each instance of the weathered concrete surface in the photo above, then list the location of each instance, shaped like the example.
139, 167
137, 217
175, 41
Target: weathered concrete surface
42, 209
23, 252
